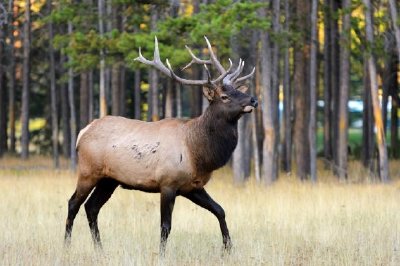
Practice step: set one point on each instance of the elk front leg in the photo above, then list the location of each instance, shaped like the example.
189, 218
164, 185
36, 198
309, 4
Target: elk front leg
167, 205
201, 198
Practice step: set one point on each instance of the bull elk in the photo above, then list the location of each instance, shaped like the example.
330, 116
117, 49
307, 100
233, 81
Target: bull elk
173, 157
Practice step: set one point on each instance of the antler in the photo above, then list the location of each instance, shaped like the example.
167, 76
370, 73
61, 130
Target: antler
225, 75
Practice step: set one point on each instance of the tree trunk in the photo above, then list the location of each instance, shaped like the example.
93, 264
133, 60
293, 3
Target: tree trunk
368, 149
90, 96
380, 136
238, 163
344, 92
335, 77
394, 92
53, 94
3, 104
327, 84
122, 92
11, 78
103, 96
116, 89
71, 100
313, 92
154, 79
117, 79
65, 115
26, 83
395, 22
275, 82
287, 101
178, 101
136, 95
270, 171
301, 130
84, 100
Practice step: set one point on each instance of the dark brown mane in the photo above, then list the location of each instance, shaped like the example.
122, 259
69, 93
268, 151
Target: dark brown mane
212, 140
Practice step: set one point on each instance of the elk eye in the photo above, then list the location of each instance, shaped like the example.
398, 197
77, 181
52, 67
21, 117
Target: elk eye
224, 97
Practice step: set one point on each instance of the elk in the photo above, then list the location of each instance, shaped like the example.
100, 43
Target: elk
173, 157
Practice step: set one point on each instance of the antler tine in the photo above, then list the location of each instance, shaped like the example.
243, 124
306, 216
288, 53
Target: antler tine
167, 70
214, 58
222, 76
156, 62
247, 76
230, 78
185, 81
195, 59
240, 70
208, 73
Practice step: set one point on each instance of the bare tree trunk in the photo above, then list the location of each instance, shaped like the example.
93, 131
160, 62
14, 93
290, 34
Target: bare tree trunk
395, 21
327, 84
238, 163
3, 103
72, 109
301, 130
116, 89
287, 101
380, 136
90, 95
275, 82
65, 115
122, 92
394, 91
344, 92
53, 94
169, 99
26, 83
103, 96
136, 95
154, 79
335, 77
313, 92
170, 88
11, 78
178, 101
270, 172
84, 100
368, 122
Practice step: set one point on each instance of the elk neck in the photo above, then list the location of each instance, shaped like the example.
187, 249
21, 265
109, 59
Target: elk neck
211, 139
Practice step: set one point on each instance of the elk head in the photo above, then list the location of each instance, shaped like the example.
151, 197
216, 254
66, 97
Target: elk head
226, 91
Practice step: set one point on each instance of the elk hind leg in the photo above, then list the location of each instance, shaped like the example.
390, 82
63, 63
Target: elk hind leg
99, 197
166, 206
82, 191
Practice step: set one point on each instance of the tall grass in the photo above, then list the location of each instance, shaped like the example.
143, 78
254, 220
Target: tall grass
289, 223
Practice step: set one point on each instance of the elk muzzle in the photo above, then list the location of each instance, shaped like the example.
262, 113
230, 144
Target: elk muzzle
253, 104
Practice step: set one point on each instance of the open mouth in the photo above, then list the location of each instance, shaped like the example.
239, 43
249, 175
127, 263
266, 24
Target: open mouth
248, 109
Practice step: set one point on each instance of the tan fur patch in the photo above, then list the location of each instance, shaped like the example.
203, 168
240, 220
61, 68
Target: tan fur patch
81, 134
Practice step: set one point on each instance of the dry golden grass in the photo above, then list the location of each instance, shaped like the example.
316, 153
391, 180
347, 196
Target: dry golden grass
290, 223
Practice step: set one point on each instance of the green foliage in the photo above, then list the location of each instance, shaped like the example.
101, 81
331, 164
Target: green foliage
218, 21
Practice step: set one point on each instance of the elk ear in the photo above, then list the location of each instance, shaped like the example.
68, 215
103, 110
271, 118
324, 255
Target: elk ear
242, 88
208, 93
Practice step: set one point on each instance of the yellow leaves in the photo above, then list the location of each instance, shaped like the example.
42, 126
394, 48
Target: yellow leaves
36, 5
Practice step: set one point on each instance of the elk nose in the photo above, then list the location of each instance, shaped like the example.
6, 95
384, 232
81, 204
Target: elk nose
254, 102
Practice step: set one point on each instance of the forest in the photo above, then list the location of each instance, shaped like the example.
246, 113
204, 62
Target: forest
326, 78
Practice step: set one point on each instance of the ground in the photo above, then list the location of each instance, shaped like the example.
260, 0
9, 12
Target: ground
289, 223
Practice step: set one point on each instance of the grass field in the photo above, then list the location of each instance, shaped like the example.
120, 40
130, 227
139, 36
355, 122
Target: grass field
289, 223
